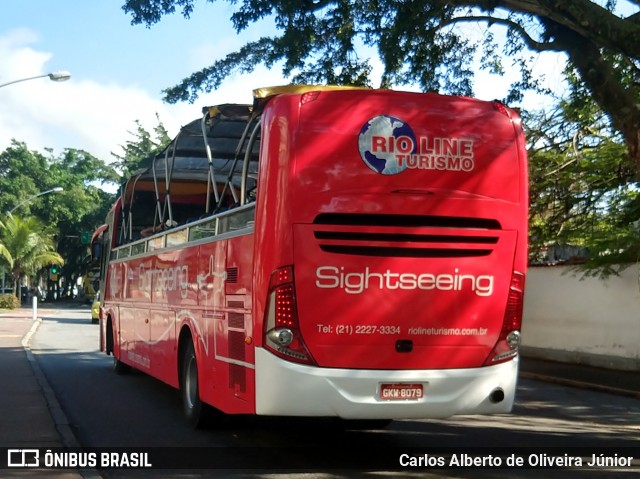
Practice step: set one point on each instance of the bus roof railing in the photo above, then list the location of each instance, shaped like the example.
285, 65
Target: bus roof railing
213, 156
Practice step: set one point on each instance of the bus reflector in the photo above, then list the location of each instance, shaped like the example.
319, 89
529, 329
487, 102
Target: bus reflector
281, 327
509, 341
309, 97
501, 108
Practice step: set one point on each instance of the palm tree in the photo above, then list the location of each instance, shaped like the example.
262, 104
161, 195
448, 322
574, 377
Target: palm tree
27, 246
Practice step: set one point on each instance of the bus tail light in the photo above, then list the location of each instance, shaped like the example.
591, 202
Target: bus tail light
509, 341
281, 327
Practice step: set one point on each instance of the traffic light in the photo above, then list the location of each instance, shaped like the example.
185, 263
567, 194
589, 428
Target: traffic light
53, 273
54, 270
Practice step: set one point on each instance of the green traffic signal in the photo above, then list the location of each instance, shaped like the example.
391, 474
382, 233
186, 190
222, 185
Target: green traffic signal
54, 270
85, 237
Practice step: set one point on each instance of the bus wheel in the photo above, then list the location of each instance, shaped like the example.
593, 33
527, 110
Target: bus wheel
119, 367
194, 409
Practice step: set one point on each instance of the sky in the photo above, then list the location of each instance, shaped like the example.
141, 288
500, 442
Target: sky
118, 72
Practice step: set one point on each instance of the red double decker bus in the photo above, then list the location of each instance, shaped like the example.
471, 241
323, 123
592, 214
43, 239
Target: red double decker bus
325, 251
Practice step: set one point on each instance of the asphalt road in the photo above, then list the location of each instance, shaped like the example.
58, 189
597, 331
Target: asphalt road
110, 411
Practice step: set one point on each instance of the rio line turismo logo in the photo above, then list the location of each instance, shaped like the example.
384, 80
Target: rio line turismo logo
389, 146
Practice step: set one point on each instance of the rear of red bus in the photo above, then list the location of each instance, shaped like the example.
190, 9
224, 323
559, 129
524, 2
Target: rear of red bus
391, 236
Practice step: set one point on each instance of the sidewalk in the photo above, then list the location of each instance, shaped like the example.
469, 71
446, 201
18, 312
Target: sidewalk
623, 383
31, 416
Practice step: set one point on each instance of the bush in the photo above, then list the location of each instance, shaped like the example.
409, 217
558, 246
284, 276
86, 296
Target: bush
9, 301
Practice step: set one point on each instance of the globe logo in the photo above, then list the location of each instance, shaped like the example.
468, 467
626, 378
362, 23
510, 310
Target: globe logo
381, 139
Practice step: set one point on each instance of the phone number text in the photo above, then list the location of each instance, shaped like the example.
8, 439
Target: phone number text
358, 329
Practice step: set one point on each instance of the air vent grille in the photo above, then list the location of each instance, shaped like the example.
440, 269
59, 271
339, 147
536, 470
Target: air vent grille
409, 236
232, 275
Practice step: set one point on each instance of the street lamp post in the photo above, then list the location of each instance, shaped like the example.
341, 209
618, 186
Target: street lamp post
58, 76
53, 76
57, 189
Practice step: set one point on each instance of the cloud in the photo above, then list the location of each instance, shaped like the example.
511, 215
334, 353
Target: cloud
89, 113
79, 113
16, 55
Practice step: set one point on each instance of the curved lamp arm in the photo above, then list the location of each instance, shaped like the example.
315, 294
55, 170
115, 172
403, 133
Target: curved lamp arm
57, 189
54, 76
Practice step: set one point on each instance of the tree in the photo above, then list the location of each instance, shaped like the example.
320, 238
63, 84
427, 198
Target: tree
27, 246
82, 206
139, 149
20, 173
421, 42
583, 190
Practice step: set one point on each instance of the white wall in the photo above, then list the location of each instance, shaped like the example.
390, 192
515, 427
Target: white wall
589, 321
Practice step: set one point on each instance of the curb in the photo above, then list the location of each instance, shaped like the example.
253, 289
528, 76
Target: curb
62, 423
580, 384
60, 419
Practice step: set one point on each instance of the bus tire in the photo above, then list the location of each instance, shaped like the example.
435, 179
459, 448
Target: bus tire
119, 367
196, 412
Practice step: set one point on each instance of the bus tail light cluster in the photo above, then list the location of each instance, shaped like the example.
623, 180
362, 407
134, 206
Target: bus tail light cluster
281, 327
509, 341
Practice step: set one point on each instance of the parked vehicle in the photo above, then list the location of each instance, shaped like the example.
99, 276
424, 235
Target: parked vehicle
95, 309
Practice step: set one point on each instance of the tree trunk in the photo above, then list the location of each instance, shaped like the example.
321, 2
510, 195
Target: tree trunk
620, 103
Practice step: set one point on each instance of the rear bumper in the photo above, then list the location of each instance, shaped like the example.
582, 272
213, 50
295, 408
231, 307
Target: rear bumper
289, 389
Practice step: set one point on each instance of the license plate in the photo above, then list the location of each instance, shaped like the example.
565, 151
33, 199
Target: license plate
400, 392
